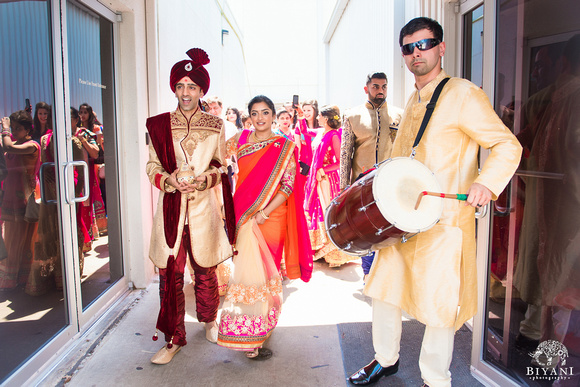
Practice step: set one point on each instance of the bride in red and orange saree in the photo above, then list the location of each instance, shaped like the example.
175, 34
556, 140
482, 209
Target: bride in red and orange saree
270, 223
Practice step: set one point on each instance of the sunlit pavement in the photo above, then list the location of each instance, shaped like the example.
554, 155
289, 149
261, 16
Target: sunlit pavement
306, 344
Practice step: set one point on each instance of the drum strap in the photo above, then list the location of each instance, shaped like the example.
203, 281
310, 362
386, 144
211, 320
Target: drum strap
429, 112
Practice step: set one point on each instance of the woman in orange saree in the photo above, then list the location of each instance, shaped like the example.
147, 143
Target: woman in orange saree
270, 223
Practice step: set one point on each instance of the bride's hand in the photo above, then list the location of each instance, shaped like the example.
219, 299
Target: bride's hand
259, 218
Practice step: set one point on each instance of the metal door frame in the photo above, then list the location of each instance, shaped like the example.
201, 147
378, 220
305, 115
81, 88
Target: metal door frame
481, 369
94, 311
79, 321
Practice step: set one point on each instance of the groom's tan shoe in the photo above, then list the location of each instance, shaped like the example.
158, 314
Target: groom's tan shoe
211, 332
164, 355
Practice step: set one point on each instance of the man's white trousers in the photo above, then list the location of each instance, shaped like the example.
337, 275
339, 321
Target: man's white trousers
436, 349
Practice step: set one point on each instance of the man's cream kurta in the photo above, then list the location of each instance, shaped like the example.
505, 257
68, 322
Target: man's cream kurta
367, 139
196, 143
434, 272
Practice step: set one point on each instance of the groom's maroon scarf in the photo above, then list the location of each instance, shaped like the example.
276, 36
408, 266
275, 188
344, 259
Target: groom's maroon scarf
159, 128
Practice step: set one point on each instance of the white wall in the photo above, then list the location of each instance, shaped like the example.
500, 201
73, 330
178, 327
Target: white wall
324, 12
182, 25
282, 47
366, 41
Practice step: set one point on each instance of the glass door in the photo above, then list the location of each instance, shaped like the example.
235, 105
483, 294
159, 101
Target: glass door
92, 95
532, 311
60, 251
34, 300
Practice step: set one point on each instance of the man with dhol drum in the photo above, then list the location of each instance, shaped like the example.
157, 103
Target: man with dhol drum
367, 136
432, 276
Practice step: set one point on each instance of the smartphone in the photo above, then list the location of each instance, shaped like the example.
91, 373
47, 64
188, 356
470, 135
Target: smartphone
27, 104
295, 100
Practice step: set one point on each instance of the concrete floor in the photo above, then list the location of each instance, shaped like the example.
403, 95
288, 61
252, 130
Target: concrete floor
306, 343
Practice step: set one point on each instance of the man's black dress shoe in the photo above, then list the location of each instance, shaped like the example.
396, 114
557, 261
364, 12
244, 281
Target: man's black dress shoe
372, 372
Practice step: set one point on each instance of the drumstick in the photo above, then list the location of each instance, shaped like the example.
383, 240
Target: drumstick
441, 195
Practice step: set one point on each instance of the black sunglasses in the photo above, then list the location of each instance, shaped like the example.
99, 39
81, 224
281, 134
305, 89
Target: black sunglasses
422, 45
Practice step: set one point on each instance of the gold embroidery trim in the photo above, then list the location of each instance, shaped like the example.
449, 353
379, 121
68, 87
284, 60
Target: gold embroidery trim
249, 295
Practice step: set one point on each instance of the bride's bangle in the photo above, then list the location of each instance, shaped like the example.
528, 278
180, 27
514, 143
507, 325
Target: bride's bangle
264, 215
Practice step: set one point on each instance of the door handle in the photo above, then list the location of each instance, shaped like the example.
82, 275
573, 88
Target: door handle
482, 212
504, 211
42, 189
74, 199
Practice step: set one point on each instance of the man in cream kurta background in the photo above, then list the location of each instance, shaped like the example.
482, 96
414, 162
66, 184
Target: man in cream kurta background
187, 148
367, 137
433, 275
368, 131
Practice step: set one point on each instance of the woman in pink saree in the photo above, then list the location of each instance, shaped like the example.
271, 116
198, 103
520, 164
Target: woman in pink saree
93, 210
269, 223
323, 185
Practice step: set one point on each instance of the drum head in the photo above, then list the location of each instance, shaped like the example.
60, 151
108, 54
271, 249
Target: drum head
397, 186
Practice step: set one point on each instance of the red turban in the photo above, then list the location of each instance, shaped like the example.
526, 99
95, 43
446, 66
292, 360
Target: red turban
191, 68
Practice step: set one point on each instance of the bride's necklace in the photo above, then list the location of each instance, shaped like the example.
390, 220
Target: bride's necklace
256, 139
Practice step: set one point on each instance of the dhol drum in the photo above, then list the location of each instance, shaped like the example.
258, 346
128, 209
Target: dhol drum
379, 209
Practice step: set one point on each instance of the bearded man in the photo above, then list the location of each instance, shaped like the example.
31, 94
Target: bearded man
367, 137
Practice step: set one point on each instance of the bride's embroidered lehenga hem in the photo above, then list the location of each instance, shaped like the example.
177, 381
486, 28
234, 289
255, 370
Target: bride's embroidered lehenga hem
254, 297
